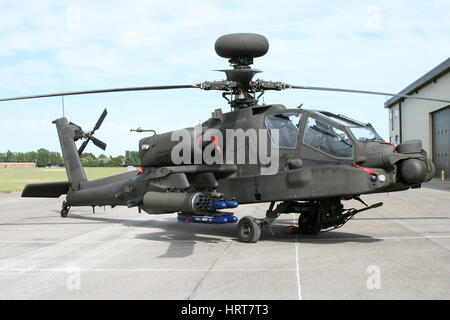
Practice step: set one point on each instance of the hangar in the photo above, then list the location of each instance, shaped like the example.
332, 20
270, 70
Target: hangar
428, 121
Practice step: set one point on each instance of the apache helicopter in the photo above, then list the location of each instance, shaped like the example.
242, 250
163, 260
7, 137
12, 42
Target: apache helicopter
323, 158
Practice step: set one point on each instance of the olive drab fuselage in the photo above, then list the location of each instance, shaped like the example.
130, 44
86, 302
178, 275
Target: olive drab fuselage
297, 160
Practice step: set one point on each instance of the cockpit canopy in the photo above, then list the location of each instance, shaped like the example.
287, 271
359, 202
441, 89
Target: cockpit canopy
327, 138
361, 131
288, 125
332, 134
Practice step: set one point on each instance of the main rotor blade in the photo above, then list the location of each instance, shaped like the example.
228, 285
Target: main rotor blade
366, 92
101, 91
100, 120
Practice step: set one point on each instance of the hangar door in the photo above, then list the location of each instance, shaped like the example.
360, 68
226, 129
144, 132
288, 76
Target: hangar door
441, 141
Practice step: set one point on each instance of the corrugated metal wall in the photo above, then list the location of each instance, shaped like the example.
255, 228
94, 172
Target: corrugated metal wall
441, 141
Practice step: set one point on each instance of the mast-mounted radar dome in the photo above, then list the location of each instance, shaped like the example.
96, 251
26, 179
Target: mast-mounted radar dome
241, 48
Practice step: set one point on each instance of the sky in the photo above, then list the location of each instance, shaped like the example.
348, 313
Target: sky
52, 46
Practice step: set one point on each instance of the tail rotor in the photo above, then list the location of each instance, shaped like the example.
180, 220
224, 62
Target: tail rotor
89, 136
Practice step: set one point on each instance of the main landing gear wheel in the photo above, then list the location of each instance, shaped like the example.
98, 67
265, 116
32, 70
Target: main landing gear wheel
248, 230
65, 210
309, 223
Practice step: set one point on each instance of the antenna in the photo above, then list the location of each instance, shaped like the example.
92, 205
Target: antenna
62, 90
139, 129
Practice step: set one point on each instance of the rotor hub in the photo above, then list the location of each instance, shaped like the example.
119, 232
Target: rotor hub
240, 49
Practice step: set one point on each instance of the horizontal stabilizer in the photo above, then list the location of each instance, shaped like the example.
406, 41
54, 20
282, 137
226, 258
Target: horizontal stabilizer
46, 190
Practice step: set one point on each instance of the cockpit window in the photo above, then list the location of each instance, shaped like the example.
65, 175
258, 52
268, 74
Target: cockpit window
287, 125
327, 138
365, 134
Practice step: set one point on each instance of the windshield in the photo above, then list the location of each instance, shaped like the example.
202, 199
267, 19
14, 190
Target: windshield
327, 138
287, 125
365, 134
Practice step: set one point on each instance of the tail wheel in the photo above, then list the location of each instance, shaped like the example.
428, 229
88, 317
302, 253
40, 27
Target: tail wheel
248, 230
64, 213
309, 222
65, 210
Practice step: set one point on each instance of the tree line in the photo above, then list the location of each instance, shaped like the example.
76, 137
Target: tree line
46, 158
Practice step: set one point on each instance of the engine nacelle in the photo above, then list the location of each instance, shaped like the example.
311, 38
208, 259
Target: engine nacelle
157, 150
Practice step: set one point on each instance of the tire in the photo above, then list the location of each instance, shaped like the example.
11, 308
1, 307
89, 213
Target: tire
65, 210
309, 223
248, 230
64, 213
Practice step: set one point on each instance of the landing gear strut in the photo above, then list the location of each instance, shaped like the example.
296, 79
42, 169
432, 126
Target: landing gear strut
65, 209
249, 228
315, 216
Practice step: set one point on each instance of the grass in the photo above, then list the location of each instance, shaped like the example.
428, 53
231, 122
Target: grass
15, 179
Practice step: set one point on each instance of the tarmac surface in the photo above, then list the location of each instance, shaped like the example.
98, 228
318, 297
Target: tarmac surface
397, 251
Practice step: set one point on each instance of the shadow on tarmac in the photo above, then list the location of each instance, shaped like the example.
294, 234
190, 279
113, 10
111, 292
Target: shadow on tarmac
182, 238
